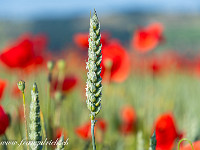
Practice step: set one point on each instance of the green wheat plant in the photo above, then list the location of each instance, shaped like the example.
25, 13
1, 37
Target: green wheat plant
153, 142
35, 126
60, 144
94, 86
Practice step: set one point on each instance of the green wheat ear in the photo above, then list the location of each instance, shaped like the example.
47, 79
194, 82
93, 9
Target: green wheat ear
153, 141
60, 144
94, 86
35, 126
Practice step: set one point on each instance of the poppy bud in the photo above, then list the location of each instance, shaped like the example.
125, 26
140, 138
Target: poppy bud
50, 65
21, 85
61, 65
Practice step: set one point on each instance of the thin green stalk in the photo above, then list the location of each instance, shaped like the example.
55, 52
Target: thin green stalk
43, 127
21, 86
49, 107
179, 143
26, 129
92, 132
49, 99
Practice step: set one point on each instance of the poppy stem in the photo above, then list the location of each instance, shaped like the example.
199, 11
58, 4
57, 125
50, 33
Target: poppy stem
184, 139
26, 129
49, 99
49, 127
92, 132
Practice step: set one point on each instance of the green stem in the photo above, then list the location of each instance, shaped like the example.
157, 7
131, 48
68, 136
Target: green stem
26, 129
92, 132
49, 96
184, 139
49, 105
43, 127
49, 127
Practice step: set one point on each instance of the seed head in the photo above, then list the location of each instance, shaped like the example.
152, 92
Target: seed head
50, 65
94, 86
21, 85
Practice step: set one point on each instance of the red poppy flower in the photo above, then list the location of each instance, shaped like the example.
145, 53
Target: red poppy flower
128, 114
2, 87
84, 131
59, 132
146, 39
101, 124
81, 39
156, 65
115, 62
166, 132
128, 118
26, 51
68, 84
4, 121
196, 146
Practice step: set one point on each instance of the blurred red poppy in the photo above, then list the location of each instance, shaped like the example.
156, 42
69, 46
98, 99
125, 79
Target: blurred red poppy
21, 113
3, 84
126, 128
128, 114
101, 124
156, 65
84, 131
115, 62
26, 51
59, 132
196, 146
81, 39
4, 121
128, 118
15, 91
146, 39
166, 132
67, 85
